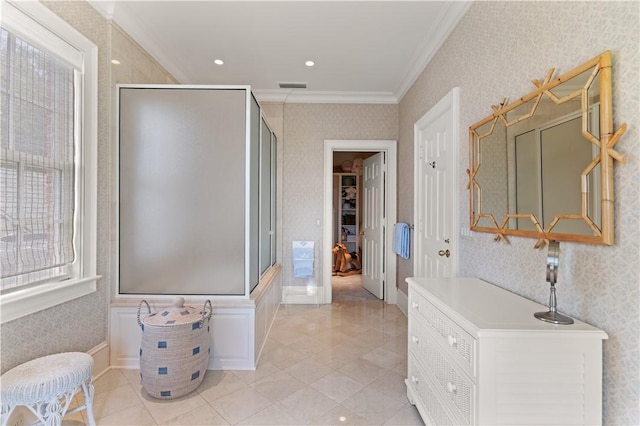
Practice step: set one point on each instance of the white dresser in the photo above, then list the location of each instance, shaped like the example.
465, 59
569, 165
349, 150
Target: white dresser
477, 355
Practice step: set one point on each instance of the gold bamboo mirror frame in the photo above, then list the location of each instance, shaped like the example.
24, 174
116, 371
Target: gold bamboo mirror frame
542, 166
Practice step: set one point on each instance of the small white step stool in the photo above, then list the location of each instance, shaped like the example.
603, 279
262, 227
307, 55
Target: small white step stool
46, 386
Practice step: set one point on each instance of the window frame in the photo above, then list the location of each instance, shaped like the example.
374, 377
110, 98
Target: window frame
36, 21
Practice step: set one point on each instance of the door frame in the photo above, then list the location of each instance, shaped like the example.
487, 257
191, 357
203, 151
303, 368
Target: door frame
390, 201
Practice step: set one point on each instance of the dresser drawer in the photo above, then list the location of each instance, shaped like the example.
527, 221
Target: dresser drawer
462, 344
453, 385
426, 396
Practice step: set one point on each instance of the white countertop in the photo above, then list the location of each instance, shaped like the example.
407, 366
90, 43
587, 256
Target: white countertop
489, 308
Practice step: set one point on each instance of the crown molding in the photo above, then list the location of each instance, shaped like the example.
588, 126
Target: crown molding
320, 97
109, 9
104, 8
450, 18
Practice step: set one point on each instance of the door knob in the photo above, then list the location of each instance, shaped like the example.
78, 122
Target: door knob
444, 253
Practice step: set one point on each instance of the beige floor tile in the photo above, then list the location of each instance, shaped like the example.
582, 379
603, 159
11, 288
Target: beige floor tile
374, 338
291, 322
311, 327
240, 404
334, 357
307, 404
73, 419
358, 347
273, 415
401, 368
79, 416
406, 416
76, 400
202, 416
136, 415
287, 335
392, 385
132, 376
362, 370
115, 400
284, 356
397, 345
333, 337
373, 406
112, 379
308, 371
278, 386
218, 384
354, 327
339, 416
311, 346
165, 409
337, 386
384, 358
264, 369
270, 345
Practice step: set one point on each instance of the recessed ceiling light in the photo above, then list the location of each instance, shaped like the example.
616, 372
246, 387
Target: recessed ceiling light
115, 62
309, 63
218, 62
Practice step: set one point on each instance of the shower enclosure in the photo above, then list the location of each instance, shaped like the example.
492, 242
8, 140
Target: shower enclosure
197, 210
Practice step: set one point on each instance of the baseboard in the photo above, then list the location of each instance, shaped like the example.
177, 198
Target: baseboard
300, 295
402, 300
100, 354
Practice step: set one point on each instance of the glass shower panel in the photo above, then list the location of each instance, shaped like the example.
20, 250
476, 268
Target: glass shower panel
182, 191
265, 198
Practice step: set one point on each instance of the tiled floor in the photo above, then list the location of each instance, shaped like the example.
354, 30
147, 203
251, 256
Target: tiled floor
349, 287
338, 364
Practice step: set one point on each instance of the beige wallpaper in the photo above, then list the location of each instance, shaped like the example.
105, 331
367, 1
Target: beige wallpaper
306, 126
495, 52
81, 324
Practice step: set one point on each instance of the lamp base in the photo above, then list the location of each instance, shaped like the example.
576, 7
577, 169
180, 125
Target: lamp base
553, 317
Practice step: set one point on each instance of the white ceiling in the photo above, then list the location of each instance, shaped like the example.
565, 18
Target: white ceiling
364, 51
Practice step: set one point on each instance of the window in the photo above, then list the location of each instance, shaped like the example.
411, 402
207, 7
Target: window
47, 161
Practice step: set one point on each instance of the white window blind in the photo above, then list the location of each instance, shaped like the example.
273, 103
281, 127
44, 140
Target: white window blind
39, 91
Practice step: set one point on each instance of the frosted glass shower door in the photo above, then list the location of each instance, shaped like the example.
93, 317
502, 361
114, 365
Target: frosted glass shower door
182, 188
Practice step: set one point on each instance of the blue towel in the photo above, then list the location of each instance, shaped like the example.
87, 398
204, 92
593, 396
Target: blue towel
401, 240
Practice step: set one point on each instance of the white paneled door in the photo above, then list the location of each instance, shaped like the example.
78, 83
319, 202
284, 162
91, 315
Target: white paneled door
373, 225
435, 209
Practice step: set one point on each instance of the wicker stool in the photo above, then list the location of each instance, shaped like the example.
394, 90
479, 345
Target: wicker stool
46, 386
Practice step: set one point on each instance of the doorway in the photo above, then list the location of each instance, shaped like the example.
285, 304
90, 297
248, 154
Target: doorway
386, 259
352, 277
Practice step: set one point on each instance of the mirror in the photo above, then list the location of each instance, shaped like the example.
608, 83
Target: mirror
542, 166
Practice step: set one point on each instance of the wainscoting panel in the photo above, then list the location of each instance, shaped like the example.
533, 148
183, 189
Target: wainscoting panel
239, 327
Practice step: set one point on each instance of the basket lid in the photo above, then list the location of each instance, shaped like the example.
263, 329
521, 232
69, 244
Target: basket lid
177, 314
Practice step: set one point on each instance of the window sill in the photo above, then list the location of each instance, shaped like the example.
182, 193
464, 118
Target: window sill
29, 301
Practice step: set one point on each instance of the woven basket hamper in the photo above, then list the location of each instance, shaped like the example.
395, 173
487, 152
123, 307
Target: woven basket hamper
174, 352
